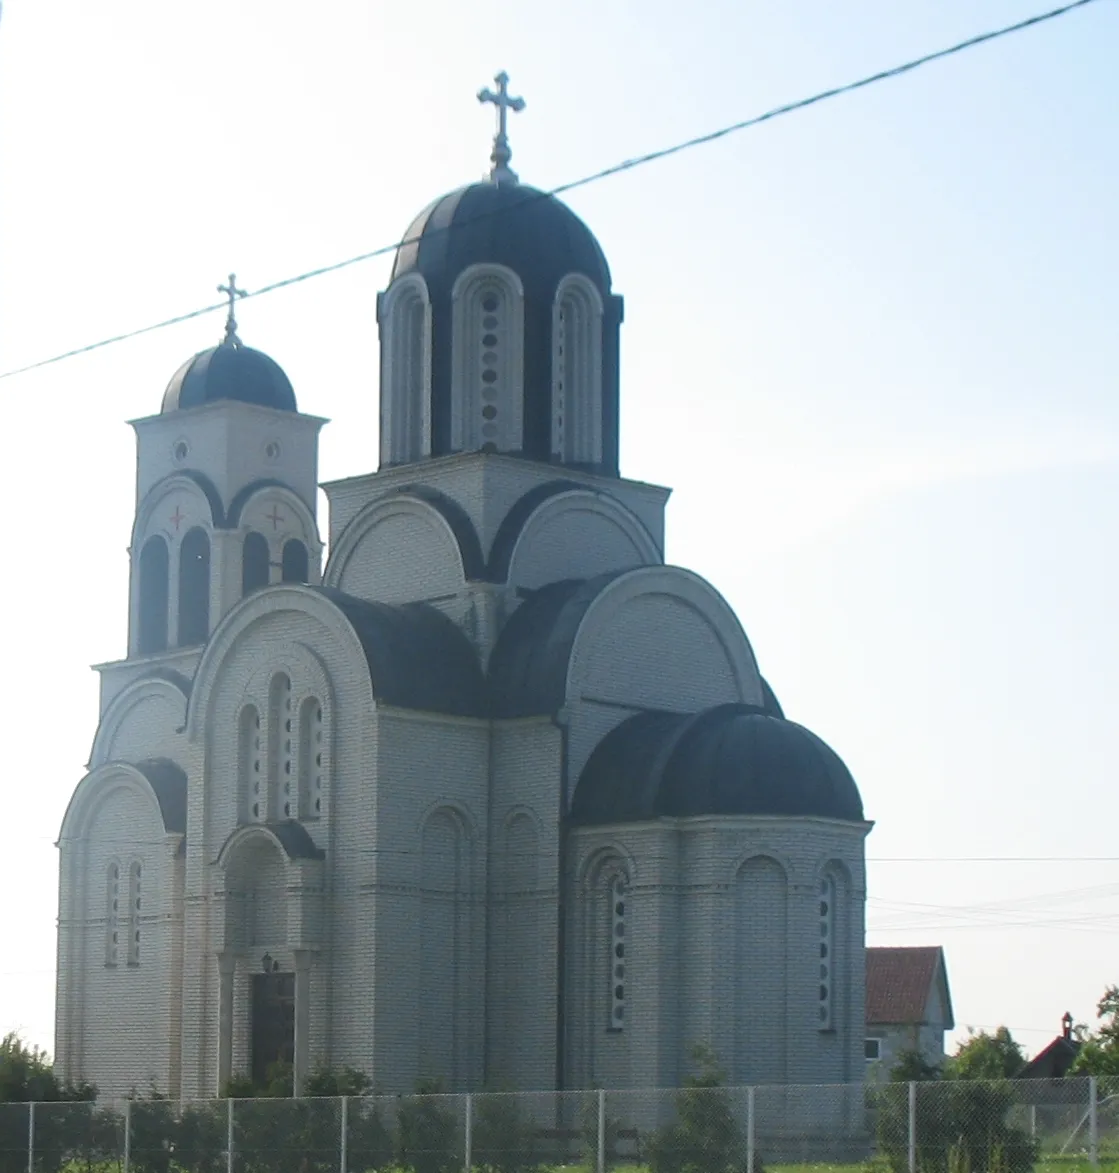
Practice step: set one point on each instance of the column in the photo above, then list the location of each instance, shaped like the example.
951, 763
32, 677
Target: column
302, 1019
226, 967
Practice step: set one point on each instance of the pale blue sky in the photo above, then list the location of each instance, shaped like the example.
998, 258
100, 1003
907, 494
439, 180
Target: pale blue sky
871, 345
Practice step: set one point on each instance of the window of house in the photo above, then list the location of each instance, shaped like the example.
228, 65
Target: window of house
873, 1049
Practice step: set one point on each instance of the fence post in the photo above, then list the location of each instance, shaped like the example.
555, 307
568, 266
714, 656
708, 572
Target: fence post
468, 1135
912, 1126
127, 1135
601, 1163
750, 1143
1093, 1122
31, 1137
344, 1140
229, 1135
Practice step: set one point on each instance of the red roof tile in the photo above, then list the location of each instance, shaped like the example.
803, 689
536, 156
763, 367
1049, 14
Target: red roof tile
898, 981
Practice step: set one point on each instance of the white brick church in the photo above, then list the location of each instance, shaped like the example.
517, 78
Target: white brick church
493, 795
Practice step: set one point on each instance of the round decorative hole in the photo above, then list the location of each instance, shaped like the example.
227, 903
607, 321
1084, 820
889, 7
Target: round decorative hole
489, 339
619, 992
489, 358
489, 411
489, 303
823, 993
489, 322
181, 450
272, 450
489, 376
489, 392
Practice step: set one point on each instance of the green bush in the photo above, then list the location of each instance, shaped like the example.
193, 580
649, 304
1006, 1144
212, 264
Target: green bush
705, 1137
961, 1123
503, 1137
427, 1134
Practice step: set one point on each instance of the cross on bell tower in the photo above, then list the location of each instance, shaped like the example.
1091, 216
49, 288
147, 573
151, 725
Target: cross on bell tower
233, 293
501, 171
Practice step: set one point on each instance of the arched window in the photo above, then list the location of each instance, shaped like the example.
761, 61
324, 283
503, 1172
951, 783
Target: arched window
154, 596
616, 893
827, 950
487, 388
254, 563
134, 900
405, 372
279, 746
310, 759
112, 914
254, 802
577, 372
294, 561
194, 588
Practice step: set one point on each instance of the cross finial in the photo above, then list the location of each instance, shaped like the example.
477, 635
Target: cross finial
501, 172
233, 293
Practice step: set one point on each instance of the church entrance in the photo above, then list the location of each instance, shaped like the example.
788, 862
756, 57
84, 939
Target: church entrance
273, 1029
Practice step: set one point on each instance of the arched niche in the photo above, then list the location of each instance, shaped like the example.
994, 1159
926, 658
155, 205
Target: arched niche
404, 315
398, 549
275, 520
578, 534
577, 415
145, 719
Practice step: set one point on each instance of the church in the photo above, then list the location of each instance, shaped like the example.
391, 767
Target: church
474, 786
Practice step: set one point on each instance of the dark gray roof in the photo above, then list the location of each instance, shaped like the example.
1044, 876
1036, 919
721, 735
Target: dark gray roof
169, 781
229, 372
528, 666
296, 840
729, 760
529, 231
418, 658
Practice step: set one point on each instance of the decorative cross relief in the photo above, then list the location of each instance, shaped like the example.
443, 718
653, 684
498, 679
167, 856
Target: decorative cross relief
233, 293
501, 171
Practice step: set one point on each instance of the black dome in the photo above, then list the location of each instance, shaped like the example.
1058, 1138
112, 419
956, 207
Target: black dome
526, 230
730, 760
230, 372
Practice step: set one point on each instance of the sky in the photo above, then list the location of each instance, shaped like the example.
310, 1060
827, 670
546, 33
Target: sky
871, 345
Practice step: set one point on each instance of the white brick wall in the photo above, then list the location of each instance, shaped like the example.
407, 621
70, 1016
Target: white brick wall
433, 925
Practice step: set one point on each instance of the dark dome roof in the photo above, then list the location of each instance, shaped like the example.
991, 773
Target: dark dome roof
230, 372
529, 231
730, 760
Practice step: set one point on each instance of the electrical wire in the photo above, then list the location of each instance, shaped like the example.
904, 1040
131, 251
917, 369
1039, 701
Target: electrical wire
605, 173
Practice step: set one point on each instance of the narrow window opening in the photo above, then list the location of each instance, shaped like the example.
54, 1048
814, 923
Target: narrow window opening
194, 588
254, 563
134, 910
294, 562
112, 915
310, 755
279, 746
617, 953
154, 596
253, 801
826, 975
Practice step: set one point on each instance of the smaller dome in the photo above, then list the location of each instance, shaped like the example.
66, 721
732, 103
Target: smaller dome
729, 760
230, 371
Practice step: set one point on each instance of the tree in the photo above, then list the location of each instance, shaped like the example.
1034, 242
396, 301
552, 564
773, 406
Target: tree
987, 1056
503, 1135
68, 1128
1099, 1052
961, 1121
427, 1133
705, 1137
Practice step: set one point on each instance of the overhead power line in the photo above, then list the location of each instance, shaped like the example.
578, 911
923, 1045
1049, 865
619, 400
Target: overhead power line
605, 173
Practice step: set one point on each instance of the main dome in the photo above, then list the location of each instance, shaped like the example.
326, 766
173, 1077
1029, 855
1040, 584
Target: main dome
526, 230
230, 371
729, 760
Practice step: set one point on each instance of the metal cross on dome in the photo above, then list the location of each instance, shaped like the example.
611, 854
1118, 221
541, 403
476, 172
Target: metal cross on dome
501, 171
233, 293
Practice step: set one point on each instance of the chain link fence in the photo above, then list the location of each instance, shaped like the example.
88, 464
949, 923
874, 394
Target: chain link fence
945, 1126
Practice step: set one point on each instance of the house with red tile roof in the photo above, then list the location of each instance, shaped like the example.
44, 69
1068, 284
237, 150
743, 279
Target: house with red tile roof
908, 1004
